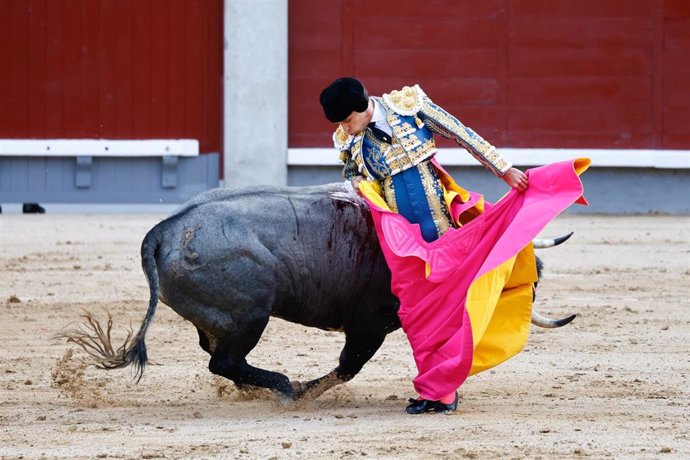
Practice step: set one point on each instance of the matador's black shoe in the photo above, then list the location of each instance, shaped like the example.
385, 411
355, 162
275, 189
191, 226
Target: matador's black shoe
445, 408
420, 406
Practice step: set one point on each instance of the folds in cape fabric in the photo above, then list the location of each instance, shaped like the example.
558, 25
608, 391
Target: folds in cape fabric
466, 298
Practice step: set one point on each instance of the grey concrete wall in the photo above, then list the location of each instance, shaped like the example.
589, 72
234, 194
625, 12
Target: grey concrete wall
255, 92
150, 180
608, 190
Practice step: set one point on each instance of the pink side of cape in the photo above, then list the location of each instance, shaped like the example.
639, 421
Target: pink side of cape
432, 309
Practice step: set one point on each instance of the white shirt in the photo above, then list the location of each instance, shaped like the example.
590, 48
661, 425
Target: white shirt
379, 118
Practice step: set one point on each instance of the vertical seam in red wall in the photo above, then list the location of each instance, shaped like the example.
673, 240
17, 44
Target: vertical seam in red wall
503, 35
658, 75
149, 69
167, 74
207, 81
347, 63
132, 67
27, 100
46, 38
63, 101
221, 82
80, 58
99, 86
184, 72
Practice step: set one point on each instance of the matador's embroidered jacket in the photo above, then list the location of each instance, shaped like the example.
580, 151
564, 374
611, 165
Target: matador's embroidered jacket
413, 118
409, 181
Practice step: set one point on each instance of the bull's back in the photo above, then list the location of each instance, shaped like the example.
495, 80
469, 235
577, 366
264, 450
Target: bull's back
303, 254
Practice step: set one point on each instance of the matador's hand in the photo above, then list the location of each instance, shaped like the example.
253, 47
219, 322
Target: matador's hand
515, 179
356, 180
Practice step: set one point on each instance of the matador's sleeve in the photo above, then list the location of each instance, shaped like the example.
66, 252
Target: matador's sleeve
342, 141
446, 125
350, 170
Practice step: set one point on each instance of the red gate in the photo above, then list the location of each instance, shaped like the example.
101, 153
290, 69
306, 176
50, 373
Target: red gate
523, 73
126, 69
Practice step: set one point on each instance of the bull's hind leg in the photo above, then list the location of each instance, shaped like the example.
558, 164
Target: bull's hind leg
360, 347
228, 360
204, 341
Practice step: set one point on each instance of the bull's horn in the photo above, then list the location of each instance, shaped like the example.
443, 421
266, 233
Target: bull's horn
543, 321
549, 243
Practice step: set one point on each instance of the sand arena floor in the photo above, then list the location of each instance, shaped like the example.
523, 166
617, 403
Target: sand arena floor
613, 383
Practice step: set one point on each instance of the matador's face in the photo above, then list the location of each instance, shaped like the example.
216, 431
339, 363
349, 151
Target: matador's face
357, 122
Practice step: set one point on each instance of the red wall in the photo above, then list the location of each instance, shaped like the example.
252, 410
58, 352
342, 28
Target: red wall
125, 69
522, 73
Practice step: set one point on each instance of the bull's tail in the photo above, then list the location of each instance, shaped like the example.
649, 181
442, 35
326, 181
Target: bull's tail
136, 353
96, 340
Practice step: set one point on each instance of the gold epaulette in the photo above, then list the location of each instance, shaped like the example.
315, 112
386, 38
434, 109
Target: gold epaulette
341, 139
406, 101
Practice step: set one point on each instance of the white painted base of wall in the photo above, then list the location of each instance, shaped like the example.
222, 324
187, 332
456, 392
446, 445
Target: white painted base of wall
99, 147
661, 159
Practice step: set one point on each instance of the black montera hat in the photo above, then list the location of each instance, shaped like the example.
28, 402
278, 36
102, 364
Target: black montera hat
342, 97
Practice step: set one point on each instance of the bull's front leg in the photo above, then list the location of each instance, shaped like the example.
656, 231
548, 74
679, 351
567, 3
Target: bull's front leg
360, 347
315, 388
229, 360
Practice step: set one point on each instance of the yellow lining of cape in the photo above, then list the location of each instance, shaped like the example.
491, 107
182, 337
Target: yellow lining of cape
499, 304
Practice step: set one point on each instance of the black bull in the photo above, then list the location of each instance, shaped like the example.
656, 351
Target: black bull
228, 260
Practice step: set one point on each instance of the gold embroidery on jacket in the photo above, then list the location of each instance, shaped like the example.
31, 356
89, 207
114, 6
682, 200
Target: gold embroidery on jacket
396, 156
389, 193
410, 143
376, 162
341, 139
413, 141
434, 193
403, 129
356, 153
449, 126
392, 118
412, 101
406, 101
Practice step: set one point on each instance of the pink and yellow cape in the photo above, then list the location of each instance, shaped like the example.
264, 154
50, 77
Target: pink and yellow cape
466, 298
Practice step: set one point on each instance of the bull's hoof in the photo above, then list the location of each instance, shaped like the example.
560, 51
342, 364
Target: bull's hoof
285, 399
285, 394
308, 390
298, 389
